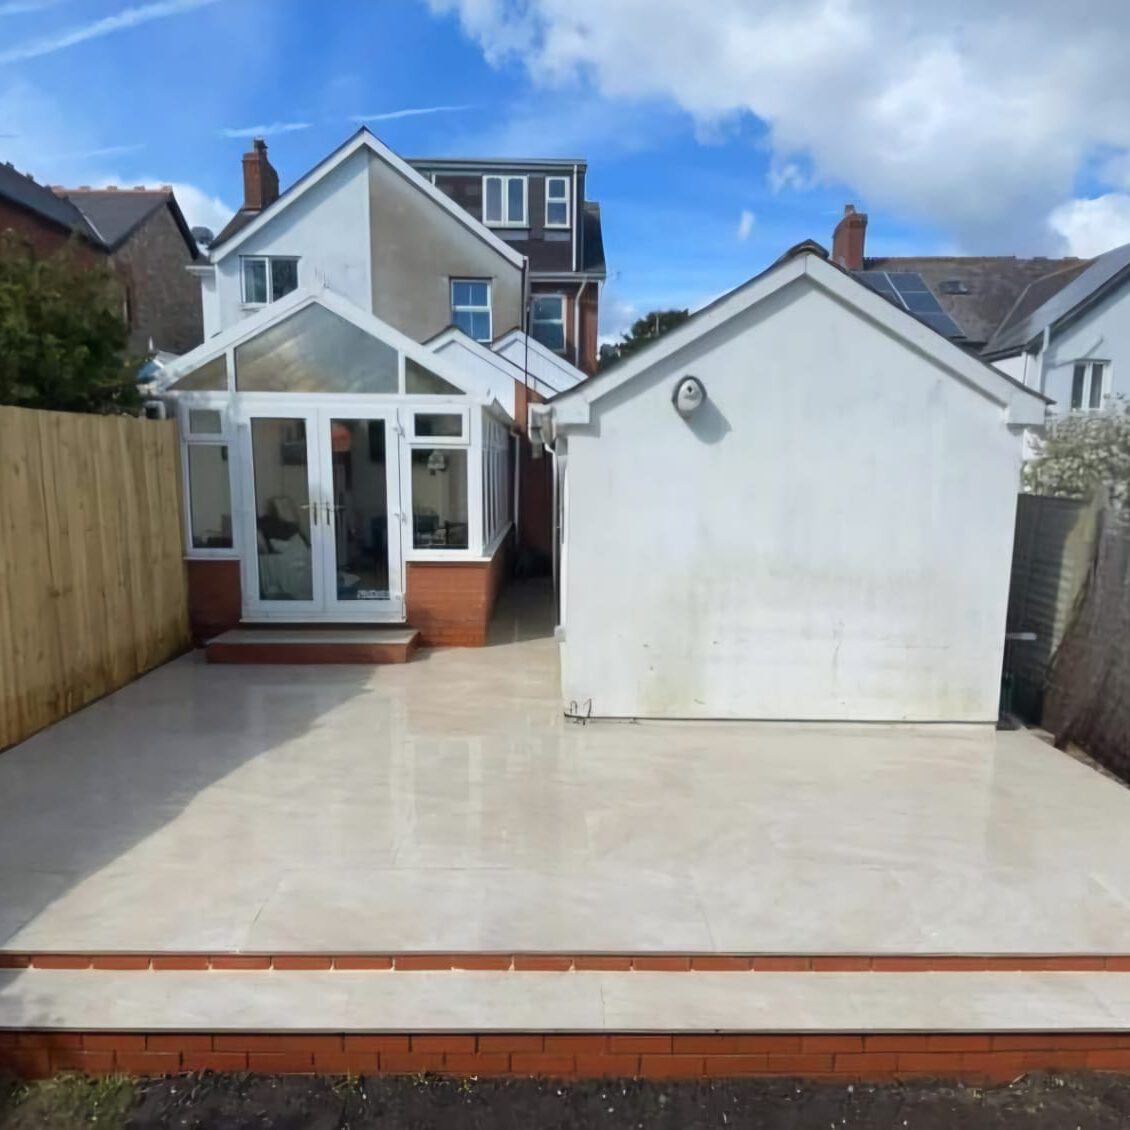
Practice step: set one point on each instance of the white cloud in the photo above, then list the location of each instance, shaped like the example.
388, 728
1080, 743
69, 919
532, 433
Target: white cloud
201, 209
108, 25
974, 117
265, 130
1090, 227
745, 224
390, 115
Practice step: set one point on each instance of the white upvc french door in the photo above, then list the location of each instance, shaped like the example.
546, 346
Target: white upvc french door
322, 525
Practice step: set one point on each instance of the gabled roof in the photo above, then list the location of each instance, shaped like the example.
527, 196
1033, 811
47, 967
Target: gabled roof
977, 291
116, 213
552, 372
250, 327
227, 241
1076, 293
1023, 405
21, 190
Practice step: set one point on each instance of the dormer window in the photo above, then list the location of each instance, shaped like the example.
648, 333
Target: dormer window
267, 278
556, 202
504, 202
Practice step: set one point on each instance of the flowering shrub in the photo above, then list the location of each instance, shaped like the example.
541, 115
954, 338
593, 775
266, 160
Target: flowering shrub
1081, 452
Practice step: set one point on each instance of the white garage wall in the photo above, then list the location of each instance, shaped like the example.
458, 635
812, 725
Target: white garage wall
829, 538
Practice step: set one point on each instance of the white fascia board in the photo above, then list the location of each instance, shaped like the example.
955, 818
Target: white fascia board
704, 322
570, 375
366, 140
1022, 405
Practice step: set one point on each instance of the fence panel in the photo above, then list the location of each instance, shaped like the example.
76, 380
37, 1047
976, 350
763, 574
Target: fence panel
1053, 551
92, 583
1088, 693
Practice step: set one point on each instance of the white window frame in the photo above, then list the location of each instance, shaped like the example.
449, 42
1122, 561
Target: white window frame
558, 200
463, 439
269, 260
507, 221
475, 309
225, 437
1089, 364
534, 298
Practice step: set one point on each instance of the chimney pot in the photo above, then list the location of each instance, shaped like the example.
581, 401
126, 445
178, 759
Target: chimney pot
260, 181
848, 239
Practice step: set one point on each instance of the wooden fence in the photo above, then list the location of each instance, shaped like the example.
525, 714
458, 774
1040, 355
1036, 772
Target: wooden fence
92, 584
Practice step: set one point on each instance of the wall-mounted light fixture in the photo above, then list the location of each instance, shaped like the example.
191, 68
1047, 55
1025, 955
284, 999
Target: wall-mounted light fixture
689, 396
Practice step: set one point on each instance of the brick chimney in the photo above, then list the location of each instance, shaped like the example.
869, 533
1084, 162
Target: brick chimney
847, 239
260, 181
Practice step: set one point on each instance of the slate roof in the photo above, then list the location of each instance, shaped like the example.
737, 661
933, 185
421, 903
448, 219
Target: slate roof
992, 285
236, 224
592, 240
1048, 306
38, 198
116, 213
106, 217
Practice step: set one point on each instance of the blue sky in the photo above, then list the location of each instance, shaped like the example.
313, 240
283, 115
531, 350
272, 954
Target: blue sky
717, 135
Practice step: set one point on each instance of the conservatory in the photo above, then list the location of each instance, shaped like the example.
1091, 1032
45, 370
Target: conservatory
328, 456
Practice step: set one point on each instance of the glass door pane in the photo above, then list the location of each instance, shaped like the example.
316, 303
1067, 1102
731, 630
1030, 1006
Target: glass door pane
364, 550
286, 517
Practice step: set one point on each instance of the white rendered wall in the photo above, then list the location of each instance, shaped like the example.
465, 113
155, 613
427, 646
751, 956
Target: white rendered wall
1102, 334
327, 229
830, 538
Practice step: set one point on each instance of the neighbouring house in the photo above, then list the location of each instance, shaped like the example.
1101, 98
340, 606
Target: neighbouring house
797, 505
354, 423
539, 208
1060, 326
141, 232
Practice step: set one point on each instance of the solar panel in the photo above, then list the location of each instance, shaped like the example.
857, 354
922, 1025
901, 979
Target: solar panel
909, 291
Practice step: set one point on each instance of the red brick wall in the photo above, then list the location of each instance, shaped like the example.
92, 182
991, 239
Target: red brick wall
981, 1058
587, 357
450, 602
214, 597
535, 485
43, 236
164, 297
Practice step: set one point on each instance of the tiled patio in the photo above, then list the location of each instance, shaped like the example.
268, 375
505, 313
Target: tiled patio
446, 805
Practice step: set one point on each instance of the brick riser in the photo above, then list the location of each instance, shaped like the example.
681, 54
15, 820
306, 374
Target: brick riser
972, 1058
363, 653
563, 962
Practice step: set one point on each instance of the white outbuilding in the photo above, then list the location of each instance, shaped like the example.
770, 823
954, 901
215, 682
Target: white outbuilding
797, 505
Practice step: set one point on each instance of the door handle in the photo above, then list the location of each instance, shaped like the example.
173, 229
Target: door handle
313, 508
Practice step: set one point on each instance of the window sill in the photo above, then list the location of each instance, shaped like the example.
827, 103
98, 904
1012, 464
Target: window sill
557, 227
507, 227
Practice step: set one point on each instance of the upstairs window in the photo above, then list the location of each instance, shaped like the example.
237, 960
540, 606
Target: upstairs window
1088, 385
470, 307
556, 202
504, 202
548, 321
268, 278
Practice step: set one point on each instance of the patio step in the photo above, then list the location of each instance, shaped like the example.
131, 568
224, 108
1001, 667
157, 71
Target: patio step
313, 645
972, 1026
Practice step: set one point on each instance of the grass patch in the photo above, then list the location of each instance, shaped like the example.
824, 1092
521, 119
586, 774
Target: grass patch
67, 1102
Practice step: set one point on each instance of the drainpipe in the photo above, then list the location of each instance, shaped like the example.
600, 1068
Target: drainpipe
1044, 357
577, 324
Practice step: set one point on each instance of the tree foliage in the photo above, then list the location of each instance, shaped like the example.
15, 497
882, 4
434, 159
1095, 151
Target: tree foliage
644, 331
1081, 452
63, 341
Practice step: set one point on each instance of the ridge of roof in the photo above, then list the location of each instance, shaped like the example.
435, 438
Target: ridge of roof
361, 138
807, 258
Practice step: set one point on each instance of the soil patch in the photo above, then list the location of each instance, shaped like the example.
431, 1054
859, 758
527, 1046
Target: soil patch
255, 1102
